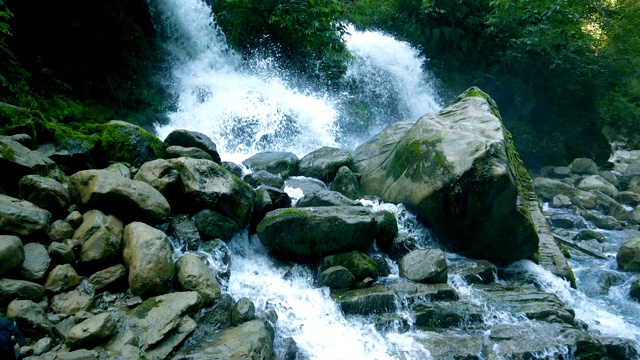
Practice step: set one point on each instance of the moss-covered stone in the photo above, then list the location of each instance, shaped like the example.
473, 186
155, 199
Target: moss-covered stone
143, 309
123, 142
417, 160
359, 264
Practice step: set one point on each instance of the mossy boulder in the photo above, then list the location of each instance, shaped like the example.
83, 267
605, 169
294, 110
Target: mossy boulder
324, 163
628, 256
17, 161
304, 234
125, 142
358, 264
459, 172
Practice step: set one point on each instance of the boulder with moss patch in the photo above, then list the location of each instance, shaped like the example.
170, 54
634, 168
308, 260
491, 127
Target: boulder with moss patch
459, 172
125, 142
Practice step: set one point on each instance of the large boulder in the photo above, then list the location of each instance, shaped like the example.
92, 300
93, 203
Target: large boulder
459, 172
11, 253
22, 217
17, 161
147, 255
192, 274
192, 152
324, 163
597, 182
628, 256
45, 193
100, 236
186, 138
128, 143
123, 197
284, 164
91, 332
311, 233
584, 166
212, 225
206, 185
19, 289
424, 266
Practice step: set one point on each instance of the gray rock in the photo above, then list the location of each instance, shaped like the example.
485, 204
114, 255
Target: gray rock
347, 183
561, 201
217, 316
563, 221
588, 234
250, 340
45, 193
204, 184
30, 318
61, 278
310, 233
262, 177
61, 253
612, 177
42, 346
119, 169
192, 274
158, 316
11, 253
449, 314
91, 332
359, 264
628, 256
628, 198
125, 198
336, 277
212, 225
190, 152
36, 262
386, 230
620, 349
17, 161
19, 289
244, 310
74, 218
60, 231
474, 271
424, 266
632, 171
460, 155
82, 354
22, 217
584, 166
233, 168
401, 245
275, 162
267, 199
101, 238
325, 198
110, 275
548, 188
601, 221
62, 328
184, 232
560, 172
596, 182
160, 174
186, 138
147, 255
453, 345
70, 155
164, 349
72, 302
306, 185
24, 140
323, 163
611, 207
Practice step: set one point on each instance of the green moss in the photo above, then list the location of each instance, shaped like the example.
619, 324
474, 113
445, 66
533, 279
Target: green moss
476, 92
418, 160
130, 144
293, 212
7, 152
143, 309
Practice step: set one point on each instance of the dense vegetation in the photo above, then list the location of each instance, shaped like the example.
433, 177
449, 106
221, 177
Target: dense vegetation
560, 70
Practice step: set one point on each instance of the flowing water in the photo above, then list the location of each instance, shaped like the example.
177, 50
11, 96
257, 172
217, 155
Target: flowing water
250, 105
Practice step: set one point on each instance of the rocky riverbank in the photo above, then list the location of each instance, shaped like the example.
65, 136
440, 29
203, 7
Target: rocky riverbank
111, 262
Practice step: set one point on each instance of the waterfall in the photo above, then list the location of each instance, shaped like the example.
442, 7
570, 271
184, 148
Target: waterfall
246, 107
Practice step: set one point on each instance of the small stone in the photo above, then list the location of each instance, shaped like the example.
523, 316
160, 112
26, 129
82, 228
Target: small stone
561, 201
61, 253
36, 262
243, 311
336, 277
61, 278
74, 218
60, 231
424, 266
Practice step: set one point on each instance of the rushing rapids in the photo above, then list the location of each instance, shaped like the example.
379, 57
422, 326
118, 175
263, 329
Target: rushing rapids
247, 106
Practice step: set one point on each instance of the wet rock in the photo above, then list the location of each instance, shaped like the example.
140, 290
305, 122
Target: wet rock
535, 304
323, 163
596, 282
45, 193
382, 265
459, 156
402, 245
310, 233
612, 177
244, 310
186, 138
185, 232
474, 271
596, 182
453, 345
147, 255
218, 316
21, 217
267, 199
307, 185
233, 168
128, 143
17, 161
30, 318
72, 302
192, 274
275, 162
584, 166
359, 264
601, 221
325, 198
11, 289
611, 207
11, 253
562, 221
628, 256
42, 346
561, 201
347, 183
91, 332
160, 174
108, 276
548, 188
101, 239
61, 253
620, 349
424, 266
336, 277
125, 198
61, 278
212, 225
560, 172
36, 262
634, 292
386, 230
262, 177
204, 184
190, 152
443, 315
60, 231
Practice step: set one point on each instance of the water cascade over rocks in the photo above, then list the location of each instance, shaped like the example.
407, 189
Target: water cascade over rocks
180, 255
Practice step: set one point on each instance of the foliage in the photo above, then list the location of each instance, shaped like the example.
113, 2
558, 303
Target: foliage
306, 32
